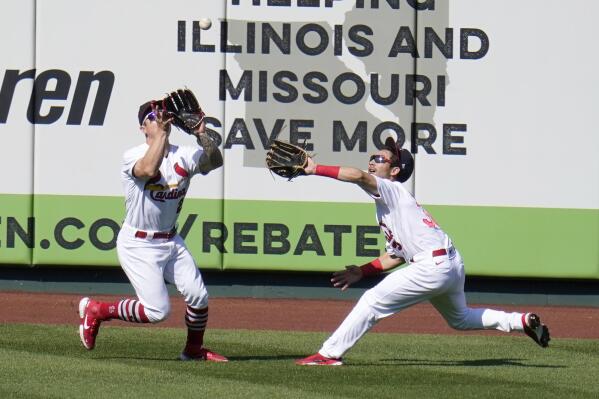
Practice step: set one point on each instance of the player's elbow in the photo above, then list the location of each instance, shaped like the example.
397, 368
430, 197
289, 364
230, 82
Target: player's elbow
210, 162
217, 159
144, 171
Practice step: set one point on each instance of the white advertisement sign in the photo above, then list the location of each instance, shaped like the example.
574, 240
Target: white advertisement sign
496, 100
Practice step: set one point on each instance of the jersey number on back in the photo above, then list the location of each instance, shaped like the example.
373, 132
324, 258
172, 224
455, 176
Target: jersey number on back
389, 236
428, 220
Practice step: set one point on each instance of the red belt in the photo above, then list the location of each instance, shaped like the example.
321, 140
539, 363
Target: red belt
157, 235
439, 252
436, 252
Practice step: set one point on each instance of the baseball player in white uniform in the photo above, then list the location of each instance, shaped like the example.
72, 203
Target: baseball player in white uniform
156, 177
435, 270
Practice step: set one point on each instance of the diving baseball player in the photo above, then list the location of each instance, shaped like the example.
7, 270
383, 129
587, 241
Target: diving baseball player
156, 177
435, 271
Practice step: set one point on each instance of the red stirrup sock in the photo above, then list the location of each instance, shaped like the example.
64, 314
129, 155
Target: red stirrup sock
127, 309
196, 321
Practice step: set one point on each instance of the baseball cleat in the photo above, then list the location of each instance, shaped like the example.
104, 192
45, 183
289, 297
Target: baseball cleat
535, 329
89, 325
203, 354
318, 360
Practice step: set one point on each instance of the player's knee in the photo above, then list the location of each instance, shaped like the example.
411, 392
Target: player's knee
158, 314
370, 309
457, 324
378, 309
461, 322
197, 297
198, 302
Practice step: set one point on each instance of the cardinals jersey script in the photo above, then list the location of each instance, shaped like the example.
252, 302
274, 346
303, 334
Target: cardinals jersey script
154, 205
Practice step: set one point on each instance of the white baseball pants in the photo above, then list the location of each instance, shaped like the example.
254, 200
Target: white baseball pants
148, 263
439, 280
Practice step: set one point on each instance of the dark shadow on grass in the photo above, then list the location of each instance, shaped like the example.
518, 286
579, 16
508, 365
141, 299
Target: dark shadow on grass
467, 363
151, 359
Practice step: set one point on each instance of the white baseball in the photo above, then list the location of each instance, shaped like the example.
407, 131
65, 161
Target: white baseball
205, 23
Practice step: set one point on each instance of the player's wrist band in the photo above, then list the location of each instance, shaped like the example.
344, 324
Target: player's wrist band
372, 268
328, 171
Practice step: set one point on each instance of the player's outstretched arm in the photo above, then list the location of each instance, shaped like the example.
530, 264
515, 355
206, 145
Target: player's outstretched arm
212, 158
344, 173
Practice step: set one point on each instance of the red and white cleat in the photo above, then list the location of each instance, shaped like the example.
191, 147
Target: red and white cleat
318, 360
202, 354
88, 324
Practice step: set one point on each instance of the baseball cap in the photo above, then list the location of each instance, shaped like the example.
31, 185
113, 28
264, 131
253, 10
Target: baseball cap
405, 159
144, 110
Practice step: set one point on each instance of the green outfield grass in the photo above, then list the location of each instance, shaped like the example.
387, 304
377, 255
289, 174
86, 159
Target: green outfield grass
40, 361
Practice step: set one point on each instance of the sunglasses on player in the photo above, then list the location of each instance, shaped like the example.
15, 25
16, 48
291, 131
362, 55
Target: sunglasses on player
152, 117
149, 117
379, 159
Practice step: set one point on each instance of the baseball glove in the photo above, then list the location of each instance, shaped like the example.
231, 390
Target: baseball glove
185, 110
286, 160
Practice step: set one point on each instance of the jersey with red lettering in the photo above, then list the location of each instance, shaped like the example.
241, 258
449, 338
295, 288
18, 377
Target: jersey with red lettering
154, 204
408, 227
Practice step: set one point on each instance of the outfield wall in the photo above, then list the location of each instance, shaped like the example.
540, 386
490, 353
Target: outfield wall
495, 100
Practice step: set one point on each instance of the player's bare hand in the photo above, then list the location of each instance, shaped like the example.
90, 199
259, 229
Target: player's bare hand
344, 278
310, 169
160, 122
163, 118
